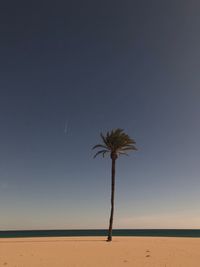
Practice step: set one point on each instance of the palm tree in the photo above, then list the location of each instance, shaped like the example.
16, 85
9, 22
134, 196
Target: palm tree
115, 143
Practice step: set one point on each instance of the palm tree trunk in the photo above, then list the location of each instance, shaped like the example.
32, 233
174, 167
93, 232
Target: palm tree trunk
112, 199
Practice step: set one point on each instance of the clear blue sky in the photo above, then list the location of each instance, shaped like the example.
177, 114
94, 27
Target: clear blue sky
98, 66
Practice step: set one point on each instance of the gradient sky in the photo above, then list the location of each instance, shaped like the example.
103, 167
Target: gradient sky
97, 66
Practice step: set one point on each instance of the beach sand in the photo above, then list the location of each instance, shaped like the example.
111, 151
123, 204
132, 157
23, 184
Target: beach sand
94, 251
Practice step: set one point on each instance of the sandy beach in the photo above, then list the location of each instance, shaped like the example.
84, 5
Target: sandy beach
94, 251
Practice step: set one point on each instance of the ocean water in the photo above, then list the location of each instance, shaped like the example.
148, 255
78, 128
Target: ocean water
103, 232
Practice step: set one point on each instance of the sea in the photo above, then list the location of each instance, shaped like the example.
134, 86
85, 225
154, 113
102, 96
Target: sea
102, 232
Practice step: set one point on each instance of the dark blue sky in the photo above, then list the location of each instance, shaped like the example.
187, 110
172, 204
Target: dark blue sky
97, 66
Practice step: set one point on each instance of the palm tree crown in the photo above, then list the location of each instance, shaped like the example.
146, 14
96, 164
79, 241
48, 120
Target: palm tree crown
116, 143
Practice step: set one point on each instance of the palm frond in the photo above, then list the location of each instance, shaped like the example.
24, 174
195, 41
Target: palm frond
101, 152
105, 153
128, 148
99, 146
123, 153
105, 141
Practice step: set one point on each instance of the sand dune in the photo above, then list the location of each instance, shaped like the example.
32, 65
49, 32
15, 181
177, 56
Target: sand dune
94, 251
